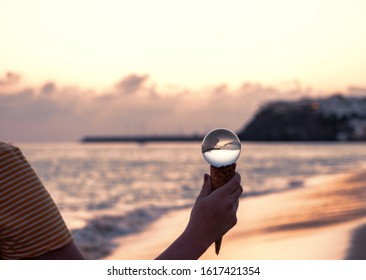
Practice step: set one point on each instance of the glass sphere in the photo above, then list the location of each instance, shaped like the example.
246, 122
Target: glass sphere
221, 147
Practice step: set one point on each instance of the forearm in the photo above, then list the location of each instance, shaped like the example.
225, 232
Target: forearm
188, 246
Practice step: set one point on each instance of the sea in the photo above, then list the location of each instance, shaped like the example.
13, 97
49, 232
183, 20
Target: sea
107, 191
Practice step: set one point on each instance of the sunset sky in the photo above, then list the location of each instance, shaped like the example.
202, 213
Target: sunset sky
170, 46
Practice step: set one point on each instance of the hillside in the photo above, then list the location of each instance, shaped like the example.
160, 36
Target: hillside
335, 118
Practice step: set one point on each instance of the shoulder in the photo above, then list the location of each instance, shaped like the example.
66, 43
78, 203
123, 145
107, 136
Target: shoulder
10, 156
5, 148
30, 222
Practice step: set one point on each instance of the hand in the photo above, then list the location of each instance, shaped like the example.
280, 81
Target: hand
214, 212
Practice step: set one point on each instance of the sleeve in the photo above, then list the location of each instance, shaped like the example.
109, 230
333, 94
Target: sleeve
30, 222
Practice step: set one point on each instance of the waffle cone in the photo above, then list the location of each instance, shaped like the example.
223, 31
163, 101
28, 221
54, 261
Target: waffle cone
219, 176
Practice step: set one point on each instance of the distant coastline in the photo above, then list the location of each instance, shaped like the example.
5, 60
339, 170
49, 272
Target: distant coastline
182, 138
143, 139
334, 118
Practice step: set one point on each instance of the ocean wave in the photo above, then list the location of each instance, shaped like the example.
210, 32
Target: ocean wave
97, 238
285, 186
108, 191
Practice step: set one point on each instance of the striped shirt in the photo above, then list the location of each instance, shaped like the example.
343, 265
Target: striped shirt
30, 223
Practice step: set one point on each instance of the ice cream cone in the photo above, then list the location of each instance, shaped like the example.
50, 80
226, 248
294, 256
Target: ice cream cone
219, 176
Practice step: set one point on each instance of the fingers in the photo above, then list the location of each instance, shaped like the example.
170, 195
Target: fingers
206, 187
237, 193
234, 184
231, 187
235, 206
233, 199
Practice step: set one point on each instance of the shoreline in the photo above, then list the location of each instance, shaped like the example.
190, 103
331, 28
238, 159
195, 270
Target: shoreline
324, 220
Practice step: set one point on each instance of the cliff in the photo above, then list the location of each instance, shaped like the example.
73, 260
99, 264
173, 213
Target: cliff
335, 118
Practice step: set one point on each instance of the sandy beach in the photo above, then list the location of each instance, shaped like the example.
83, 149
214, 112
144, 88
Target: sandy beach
326, 219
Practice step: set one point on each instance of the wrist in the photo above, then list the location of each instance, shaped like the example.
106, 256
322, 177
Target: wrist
198, 242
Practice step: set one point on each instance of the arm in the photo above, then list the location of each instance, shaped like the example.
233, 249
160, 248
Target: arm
213, 214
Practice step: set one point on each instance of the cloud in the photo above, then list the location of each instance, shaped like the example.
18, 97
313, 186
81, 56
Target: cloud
131, 84
9, 79
134, 105
48, 88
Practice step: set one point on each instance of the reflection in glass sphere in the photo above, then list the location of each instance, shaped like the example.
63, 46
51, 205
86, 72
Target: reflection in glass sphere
221, 147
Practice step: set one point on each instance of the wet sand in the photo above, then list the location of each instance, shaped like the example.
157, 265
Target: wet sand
326, 219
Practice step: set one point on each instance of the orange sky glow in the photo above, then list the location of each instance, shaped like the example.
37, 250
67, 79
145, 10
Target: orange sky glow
84, 67
92, 44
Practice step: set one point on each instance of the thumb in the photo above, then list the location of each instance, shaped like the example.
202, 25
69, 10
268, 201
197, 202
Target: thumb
206, 187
